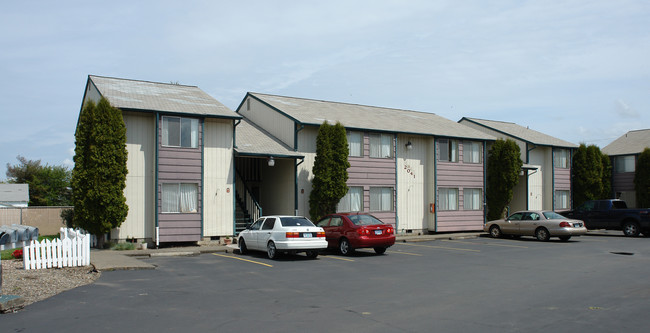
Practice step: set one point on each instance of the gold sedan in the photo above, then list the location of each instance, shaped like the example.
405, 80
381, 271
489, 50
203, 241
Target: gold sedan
541, 224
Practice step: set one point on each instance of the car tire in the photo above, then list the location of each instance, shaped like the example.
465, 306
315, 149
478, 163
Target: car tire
242, 246
495, 231
565, 238
344, 247
312, 254
630, 229
271, 250
380, 250
542, 234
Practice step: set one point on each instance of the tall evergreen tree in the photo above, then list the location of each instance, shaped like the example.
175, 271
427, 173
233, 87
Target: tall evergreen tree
587, 174
330, 170
503, 166
642, 179
48, 185
99, 174
607, 177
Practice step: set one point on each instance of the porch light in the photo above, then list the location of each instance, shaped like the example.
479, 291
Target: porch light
271, 161
409, 145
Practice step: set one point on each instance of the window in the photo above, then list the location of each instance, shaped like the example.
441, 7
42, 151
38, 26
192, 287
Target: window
472, 199
472, 152
448, 150
448, 198
355, 143
381, 199
269, 224
352, 201
561, 158
381, 145
561, 200
624, 164
180, 132
180, 198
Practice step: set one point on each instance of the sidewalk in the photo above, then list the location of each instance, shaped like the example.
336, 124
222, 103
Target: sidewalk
110, 260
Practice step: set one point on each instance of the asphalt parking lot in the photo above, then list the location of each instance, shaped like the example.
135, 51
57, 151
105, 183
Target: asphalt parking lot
591, 283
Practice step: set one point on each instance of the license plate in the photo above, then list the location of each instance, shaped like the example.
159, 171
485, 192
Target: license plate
306, 235
377, 232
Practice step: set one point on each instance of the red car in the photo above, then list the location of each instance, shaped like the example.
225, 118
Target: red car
350, 231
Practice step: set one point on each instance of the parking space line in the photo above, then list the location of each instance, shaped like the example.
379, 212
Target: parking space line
442, 247
345, 259
242, 259
504, 245
411, 254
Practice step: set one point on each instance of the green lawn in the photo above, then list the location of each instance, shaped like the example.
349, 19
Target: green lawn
6, 254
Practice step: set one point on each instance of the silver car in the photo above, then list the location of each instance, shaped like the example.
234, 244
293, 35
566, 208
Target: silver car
541, 224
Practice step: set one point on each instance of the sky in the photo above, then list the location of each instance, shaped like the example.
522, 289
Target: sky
576, 70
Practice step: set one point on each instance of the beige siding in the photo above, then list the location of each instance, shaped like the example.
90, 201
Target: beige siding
277, 192
414, 183
140, 190
307, 147
543, 157
218, 174
91, 94
274, 122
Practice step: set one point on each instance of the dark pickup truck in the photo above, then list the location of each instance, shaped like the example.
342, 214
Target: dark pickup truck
612, 214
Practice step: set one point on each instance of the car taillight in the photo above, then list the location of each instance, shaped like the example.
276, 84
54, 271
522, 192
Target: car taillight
293, 235
362, 231
389, 231
320, 234
565, 224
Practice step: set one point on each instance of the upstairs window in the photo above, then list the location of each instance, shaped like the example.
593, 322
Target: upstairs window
180, 132
561, 158
355, 143
472, 152
381, 145
624, 164
448, 150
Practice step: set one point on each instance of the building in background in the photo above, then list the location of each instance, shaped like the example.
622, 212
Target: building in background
624, 153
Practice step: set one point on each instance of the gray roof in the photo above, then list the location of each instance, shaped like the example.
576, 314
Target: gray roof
362, 117
252, 140
632, 143
14, 193
522, 133
165, 97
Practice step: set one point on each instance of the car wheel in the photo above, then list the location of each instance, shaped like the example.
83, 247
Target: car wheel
495, 231
565, 238
242, 246
312, 254
344, 247
271, 251
542, 234
380, 250
630, 229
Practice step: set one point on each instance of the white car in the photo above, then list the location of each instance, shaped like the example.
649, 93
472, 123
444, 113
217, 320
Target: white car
283, 234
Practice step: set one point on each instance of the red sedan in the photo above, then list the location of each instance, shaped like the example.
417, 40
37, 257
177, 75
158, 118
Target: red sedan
350, 231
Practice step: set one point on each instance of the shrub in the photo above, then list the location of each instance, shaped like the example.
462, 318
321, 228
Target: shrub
18, 254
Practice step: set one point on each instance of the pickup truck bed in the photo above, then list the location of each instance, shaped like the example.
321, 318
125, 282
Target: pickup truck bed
612, 214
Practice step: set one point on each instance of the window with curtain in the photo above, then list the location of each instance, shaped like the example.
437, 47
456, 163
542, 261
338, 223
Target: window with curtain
562, 200
180, 198
472, 199
352, 201
448, 150
381, 199
355, 143
381, 145
448, 199
472, 152
624, 164
180, 132
561, 158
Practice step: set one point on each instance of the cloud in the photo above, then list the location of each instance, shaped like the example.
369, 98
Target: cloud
624, 110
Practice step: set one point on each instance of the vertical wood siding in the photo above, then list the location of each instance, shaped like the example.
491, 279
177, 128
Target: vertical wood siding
218, 170
140, 189
459, 175
415, 186
307, 147
179, 165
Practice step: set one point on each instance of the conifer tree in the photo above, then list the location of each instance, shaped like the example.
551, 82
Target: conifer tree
588, 174
642, 179
504, 164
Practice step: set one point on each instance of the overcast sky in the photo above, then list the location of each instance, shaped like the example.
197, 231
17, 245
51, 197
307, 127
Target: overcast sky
576, 70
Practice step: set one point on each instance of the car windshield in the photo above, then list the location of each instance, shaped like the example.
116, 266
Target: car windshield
295, 221
553, 216
364, 220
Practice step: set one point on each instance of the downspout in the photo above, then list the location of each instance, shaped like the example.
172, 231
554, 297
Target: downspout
295, 136
396, 182
485, 181
553, 178
157, 153
202, 178
435, 186
295, 185
234, 176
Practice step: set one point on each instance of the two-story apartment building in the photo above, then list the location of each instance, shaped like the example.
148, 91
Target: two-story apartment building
624, 153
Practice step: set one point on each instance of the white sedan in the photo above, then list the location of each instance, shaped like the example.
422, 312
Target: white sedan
283, 234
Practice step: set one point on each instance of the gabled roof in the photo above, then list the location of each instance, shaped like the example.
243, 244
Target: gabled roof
252, 140
631, 143
147, 96
14, 193
521, 133
362, 117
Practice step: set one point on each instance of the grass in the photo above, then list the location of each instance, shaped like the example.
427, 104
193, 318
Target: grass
6, 254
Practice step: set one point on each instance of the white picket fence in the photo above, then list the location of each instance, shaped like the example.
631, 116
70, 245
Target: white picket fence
72, 250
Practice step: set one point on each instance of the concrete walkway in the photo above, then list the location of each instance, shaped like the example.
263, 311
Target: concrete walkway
110, 260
